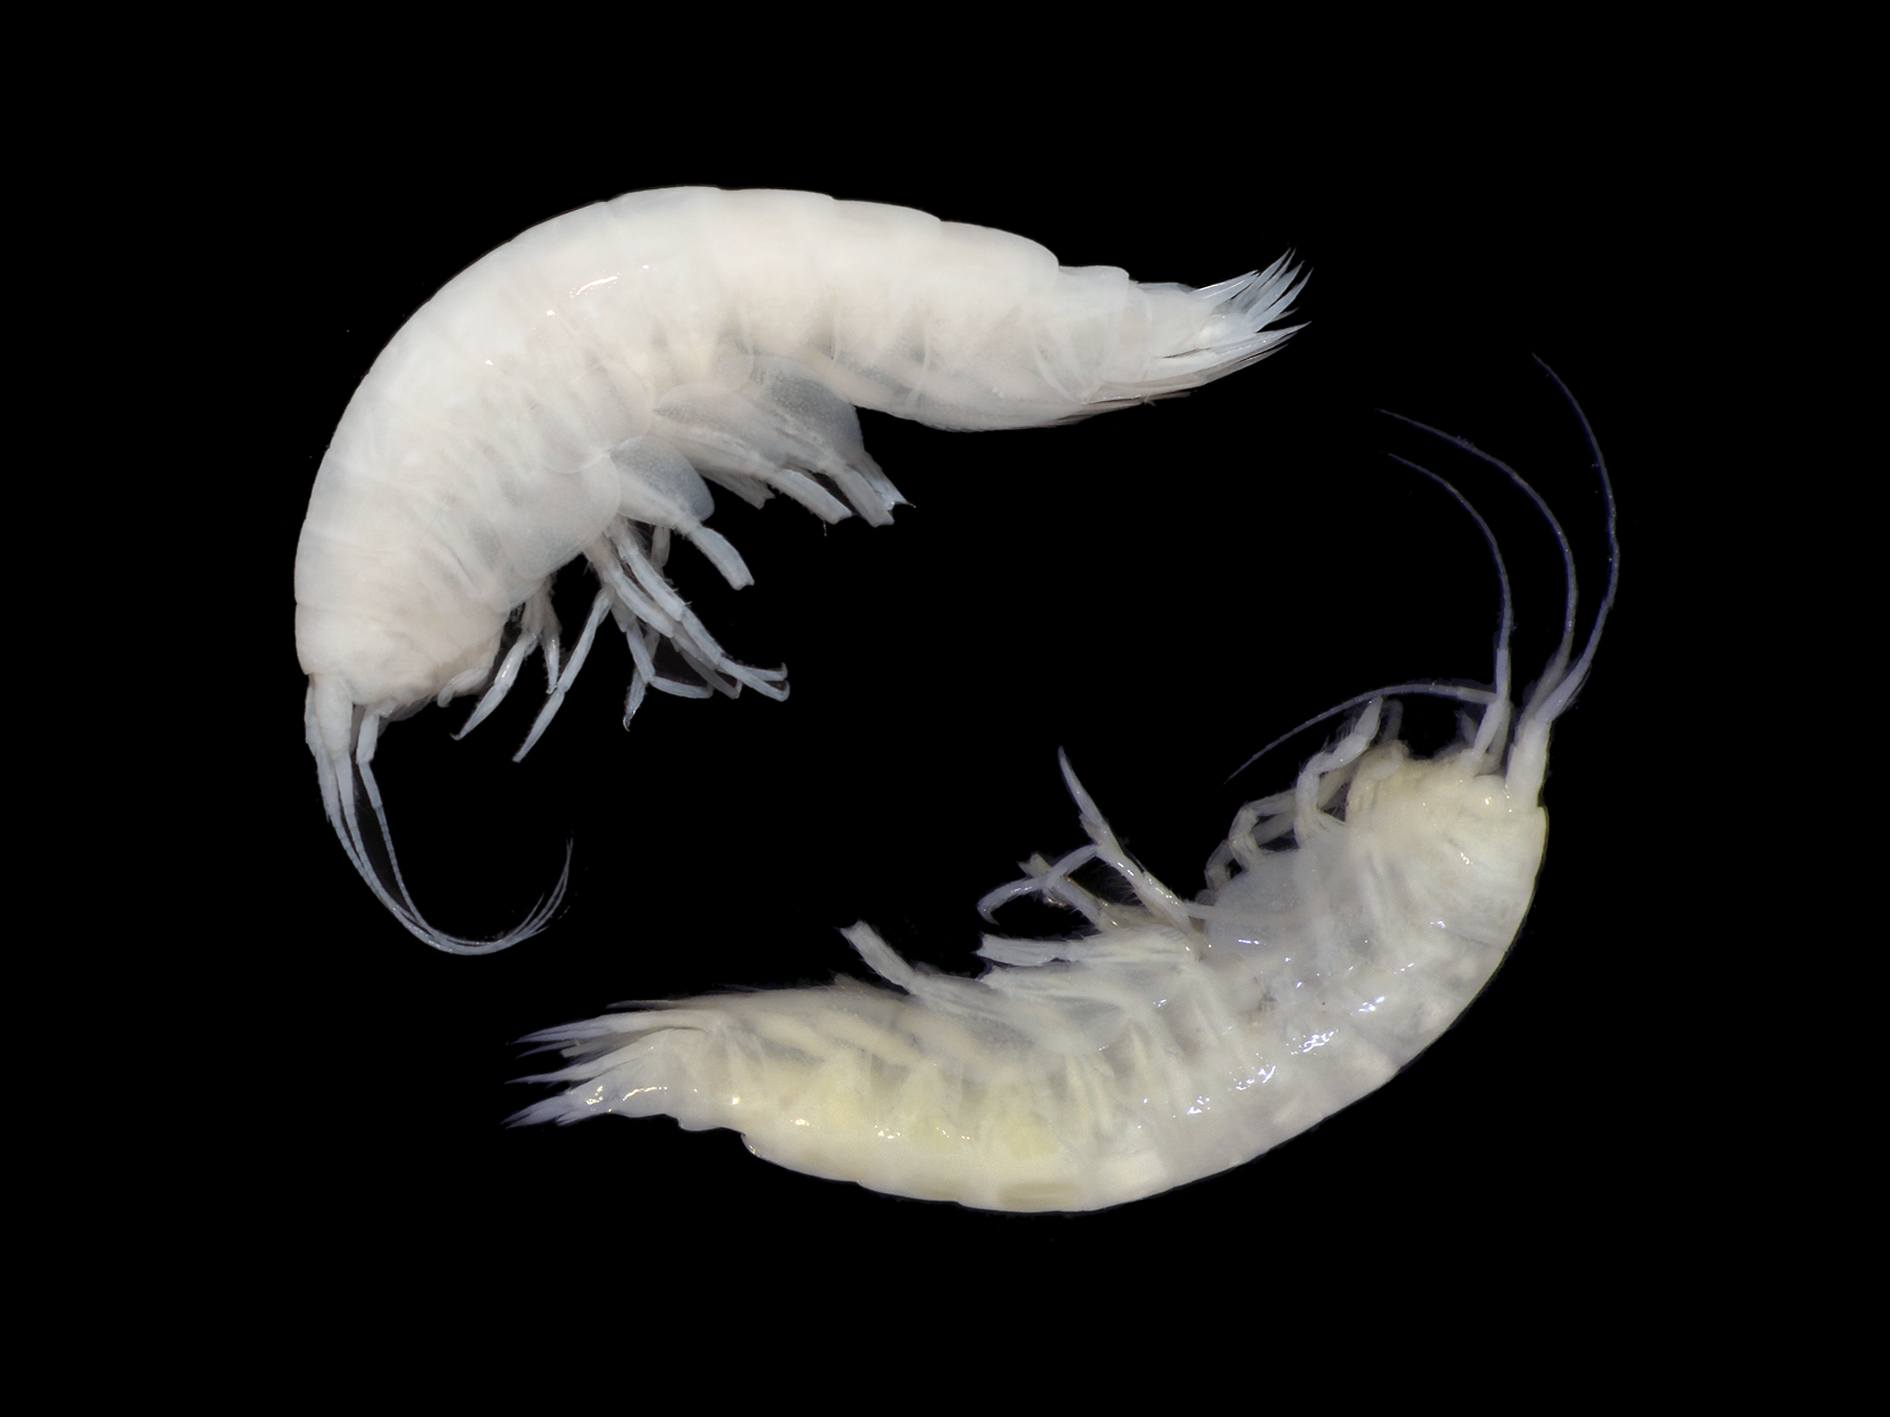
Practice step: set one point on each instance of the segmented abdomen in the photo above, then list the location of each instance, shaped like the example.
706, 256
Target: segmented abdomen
473, 460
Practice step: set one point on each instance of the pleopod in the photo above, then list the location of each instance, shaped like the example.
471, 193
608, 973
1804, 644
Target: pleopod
1346, 922
574, 393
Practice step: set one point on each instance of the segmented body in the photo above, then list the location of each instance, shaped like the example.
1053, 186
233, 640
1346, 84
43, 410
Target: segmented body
573, 393
1347, 922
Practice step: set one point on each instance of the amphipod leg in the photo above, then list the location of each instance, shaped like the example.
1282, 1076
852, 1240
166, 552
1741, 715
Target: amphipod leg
536, 620
1053, 882
599, 608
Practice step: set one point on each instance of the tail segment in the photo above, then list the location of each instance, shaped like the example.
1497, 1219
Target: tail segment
1222, 328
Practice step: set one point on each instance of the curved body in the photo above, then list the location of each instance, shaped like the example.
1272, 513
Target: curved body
1175, 1041
1347, 922
573, 393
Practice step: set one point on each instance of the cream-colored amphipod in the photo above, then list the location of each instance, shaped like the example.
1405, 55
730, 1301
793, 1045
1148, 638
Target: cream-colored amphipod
1346, 923
575, 393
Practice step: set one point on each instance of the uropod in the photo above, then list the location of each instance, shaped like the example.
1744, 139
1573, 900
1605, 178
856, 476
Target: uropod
1347, 921
574, 393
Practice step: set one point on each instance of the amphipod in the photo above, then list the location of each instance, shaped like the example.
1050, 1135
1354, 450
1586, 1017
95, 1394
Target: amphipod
1347, 921
574, 393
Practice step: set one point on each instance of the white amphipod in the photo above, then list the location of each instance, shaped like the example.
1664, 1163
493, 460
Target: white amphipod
1347, 922
573, 393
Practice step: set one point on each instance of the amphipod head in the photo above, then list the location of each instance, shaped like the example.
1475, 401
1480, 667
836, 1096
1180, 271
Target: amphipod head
1451, 837
1467, 827
402, 601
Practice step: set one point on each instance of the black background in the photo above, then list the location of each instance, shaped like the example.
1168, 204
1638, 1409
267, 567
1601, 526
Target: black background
1159, 592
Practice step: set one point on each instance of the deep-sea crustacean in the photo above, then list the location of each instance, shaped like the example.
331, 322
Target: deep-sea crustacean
574, 393
1346, 923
